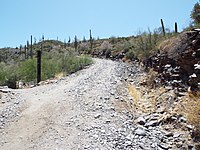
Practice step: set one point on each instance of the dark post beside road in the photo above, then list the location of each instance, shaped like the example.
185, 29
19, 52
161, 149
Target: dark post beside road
39, 66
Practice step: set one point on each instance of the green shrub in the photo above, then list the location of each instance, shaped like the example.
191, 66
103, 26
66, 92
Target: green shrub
8, 75
51, 65
130, 55
73, 63
27, 70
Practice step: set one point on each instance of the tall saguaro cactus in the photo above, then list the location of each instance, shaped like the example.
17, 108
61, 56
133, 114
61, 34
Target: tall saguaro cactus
75, 43
20, 49
69, 41
25, 52
27, 49
176, 27
163, 27
43, 38
31, 52
91, 40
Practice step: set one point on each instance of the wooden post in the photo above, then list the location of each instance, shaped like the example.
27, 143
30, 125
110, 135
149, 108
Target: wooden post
163, 27
176, 27
39, 66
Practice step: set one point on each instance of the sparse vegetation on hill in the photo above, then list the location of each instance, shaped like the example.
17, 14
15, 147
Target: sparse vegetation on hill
18, 65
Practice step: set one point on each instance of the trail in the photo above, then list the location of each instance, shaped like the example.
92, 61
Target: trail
91, 109
66, 114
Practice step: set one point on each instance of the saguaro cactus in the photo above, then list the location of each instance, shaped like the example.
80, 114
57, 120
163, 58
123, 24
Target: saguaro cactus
27, 49
69, 41
25, 52
163, 27
20, 49
176, 27
31, 52
75, 43
65, 44
42, 38
91, 40
84, 40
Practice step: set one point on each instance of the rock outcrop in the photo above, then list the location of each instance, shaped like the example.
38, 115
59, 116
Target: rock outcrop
178, 61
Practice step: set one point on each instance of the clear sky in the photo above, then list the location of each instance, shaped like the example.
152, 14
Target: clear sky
106, 18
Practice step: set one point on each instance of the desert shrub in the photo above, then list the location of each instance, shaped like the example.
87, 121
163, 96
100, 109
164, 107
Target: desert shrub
84, 47
72, 64
146, 43
51, 65
123, 46
105, 46
130, 55
8, 74
113, 39
27, 70
108, 53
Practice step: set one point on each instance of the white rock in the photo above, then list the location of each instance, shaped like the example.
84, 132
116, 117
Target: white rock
197, 66
127, 143
141, 120
193, 75
140, 132
97, 116
167, 66
197, 30
152, 123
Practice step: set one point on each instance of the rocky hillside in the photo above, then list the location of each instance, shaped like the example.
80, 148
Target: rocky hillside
178, 61
175, 57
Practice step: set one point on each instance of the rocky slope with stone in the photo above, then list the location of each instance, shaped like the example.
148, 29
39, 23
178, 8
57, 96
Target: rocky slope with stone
178, 61
100, 107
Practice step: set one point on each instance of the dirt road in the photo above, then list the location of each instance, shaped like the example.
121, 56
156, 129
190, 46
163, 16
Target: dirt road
77, 112
90, 109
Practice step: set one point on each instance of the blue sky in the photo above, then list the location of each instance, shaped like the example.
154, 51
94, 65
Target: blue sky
106, 18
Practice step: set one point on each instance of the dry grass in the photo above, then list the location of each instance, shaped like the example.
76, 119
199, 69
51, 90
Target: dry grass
173, 45
135, 94
143, 99
166, 44
191, 108
59, 75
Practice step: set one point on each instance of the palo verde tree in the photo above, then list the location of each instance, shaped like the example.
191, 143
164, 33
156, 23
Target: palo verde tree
195, 14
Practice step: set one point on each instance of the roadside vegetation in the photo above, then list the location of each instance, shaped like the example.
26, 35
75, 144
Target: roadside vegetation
26, 71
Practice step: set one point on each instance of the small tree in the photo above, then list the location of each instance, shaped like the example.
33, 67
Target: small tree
195, 14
